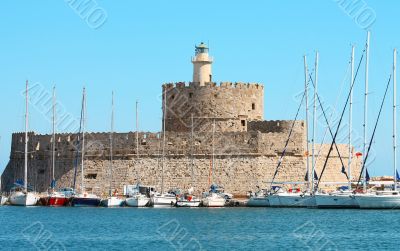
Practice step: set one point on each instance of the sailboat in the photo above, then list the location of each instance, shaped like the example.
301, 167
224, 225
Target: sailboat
20, 196
54, 198
112, 200
385, 199
84, 199
296, 197
215, 197
137, 198
3, 198
259, 199
342, 198
188, 199
160, 200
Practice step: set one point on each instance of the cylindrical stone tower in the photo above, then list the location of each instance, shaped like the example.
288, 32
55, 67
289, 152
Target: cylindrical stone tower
202, 103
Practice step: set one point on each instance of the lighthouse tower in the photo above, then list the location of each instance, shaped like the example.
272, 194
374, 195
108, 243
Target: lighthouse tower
202, 65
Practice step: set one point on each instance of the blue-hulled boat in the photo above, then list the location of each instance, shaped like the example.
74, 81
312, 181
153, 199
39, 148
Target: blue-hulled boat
85, 200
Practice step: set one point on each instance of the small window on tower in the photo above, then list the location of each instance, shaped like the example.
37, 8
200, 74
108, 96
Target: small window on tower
173, 96
243, 122
253, 106
190, 95
91, 176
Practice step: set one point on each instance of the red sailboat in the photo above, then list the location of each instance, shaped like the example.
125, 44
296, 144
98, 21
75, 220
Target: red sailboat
61, 197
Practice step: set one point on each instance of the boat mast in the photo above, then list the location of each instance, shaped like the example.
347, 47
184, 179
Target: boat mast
26, 140
163, 142
306, 96
314, 120
137, 139
394, 120
137, 130
83, 139
351, 115
213, 152
111, 142
54, 138
366, 111
191, 149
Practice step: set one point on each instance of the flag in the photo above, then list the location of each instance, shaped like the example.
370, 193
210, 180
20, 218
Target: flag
358, 154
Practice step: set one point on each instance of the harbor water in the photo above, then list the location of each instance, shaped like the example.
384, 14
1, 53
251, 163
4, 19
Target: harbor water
41, 228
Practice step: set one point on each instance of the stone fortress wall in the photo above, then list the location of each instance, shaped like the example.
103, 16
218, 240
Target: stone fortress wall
230, 104
243, 160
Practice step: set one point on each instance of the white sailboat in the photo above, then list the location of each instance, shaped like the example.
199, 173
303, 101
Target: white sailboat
342, 198
21, 196
137, 198
297, 198
161, 200
84, 199
215, 197
112, 200
3, 198
188, 199
259, 199
385, 199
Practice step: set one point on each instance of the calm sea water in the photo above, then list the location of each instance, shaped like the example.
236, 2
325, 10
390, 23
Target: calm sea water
40, 228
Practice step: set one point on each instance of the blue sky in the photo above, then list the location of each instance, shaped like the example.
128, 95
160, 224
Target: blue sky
143, 44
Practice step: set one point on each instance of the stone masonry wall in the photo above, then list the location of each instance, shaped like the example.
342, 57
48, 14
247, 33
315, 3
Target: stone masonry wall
243, 160
231, 104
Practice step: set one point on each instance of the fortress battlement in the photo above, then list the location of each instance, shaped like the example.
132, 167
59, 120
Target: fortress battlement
234, 85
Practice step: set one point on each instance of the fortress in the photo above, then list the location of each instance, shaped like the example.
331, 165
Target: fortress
214, 134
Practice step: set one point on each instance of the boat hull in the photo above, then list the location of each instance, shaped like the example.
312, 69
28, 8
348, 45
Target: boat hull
163, 202
273, 201
186, 203
137, 202
213, 202
112, 202
85, 202
258, 202
378, 201
296, 200
54, 201
335, 201
3, 200
23, 199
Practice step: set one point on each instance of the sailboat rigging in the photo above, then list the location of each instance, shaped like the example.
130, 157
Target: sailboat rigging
84, 199
112, 200
140, 196
23, 197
